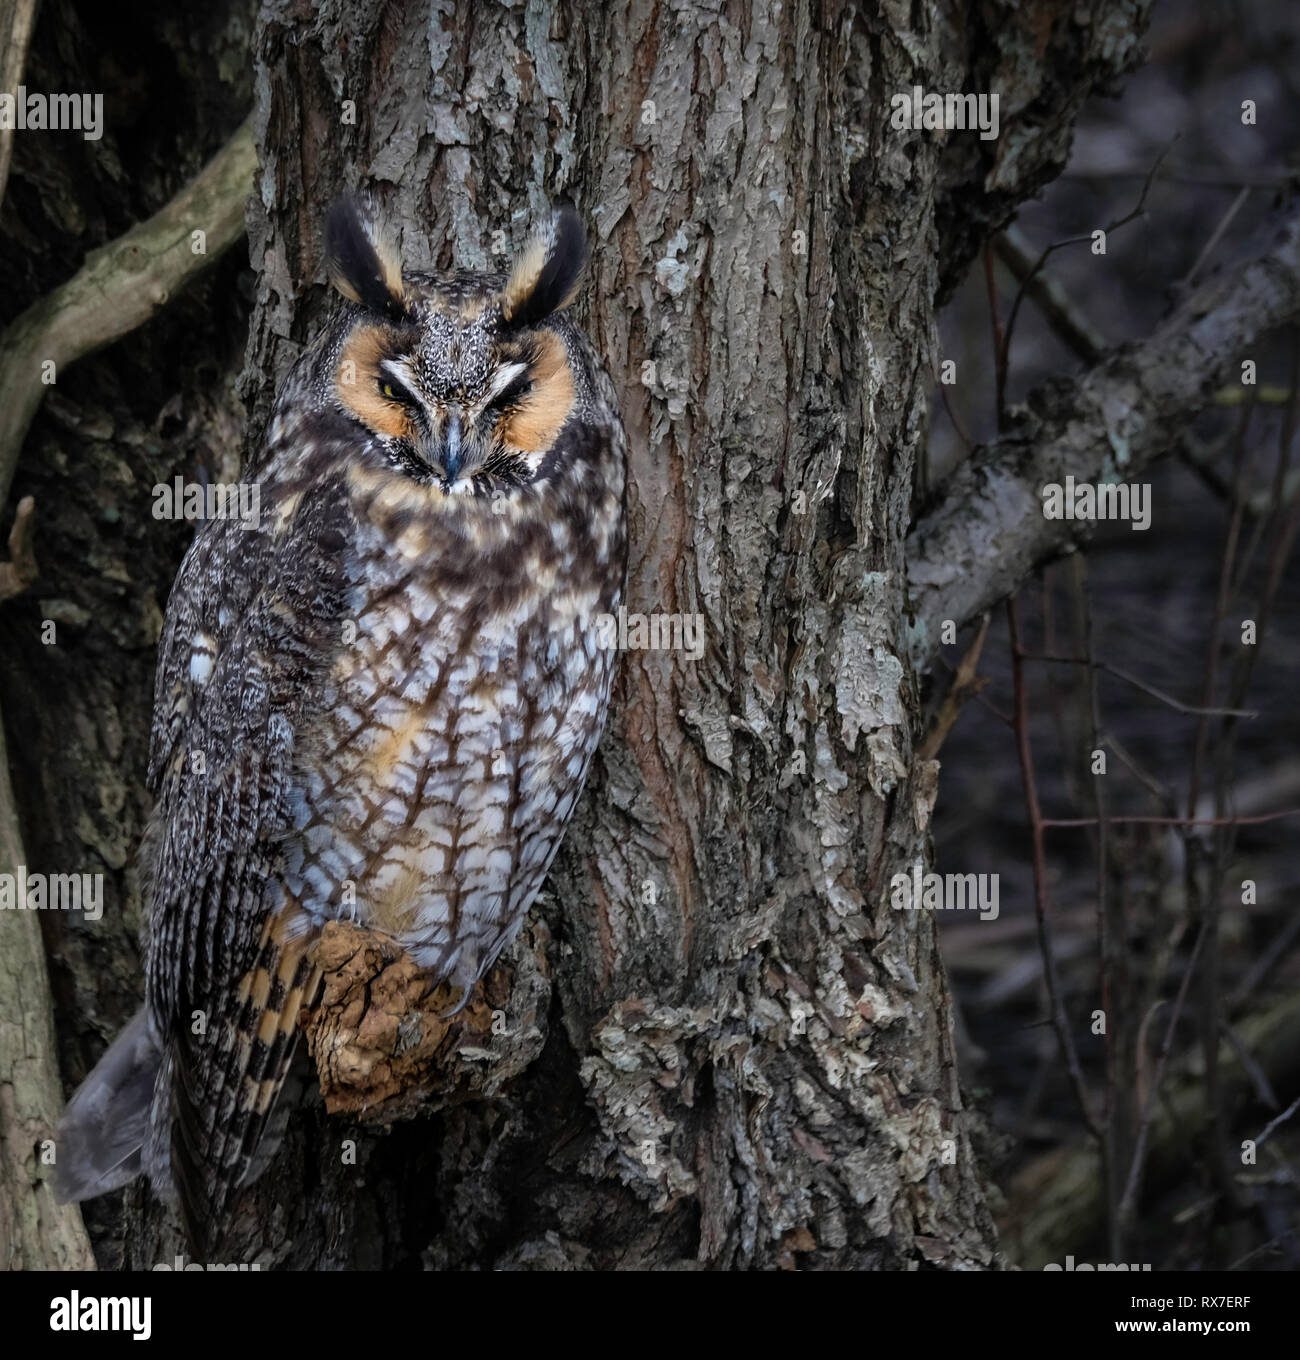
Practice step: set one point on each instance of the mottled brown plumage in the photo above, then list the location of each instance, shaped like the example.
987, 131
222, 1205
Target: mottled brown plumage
378, 704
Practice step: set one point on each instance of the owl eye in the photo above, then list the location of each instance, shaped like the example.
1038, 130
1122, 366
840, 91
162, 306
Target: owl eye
520, 387
393, 392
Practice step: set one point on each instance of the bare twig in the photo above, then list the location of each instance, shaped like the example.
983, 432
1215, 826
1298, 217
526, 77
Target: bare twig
1175, 821
1278, 947
1283, 525
1110, 926
1141, 1065
1065, 319
965, 685
1200, 457
1215, 237
1225, 177
999, 340
1147, 1107
1264, 1092
1133, 680
1271, 1245
1274, 1124
1056, 1203
952, 415
1059, 1019
1004, 348
1159, 791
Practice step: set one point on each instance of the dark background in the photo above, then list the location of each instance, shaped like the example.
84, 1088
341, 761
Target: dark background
1152, 597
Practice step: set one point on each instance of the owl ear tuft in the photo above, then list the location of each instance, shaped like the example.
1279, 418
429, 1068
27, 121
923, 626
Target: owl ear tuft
363, 264
545, 274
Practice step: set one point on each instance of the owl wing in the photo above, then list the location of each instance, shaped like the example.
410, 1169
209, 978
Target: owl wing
251, 628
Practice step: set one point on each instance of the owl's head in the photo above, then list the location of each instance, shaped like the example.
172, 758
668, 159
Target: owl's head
459, 377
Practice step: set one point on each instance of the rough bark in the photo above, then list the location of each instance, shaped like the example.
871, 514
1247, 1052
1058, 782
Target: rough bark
716, 1044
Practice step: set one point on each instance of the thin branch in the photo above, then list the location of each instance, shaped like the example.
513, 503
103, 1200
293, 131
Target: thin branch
1225, 177
965, 685
1200, 457
1264, 1092
1060, 1021
1004, 349
1128, 1202
999, 339
1175, 821
1065, 319
1277, 950
1215, 237
1270, 1245
1274, 1124
1110, 924
1056, 1201
952, 415
1159, 791
1133, 680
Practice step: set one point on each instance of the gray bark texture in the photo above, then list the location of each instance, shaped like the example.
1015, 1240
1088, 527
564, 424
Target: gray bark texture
716, 1045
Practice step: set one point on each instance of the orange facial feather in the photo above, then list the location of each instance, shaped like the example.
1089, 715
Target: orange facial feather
533, 425
363, 351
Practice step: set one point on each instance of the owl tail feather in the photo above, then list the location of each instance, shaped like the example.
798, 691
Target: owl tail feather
224, 1100
100, 1136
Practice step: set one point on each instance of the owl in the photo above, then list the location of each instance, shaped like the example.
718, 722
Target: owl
378, 702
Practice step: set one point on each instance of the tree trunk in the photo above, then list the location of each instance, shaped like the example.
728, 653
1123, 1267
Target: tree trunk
716, 1044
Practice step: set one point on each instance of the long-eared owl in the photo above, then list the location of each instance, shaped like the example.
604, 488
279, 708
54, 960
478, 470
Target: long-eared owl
378, 702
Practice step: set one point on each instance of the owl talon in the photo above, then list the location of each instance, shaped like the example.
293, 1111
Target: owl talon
465, 995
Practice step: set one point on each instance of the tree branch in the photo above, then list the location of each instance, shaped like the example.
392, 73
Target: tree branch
988, 532
119, 287
17, 20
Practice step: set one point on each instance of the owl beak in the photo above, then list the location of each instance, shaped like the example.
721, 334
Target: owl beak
453, 452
